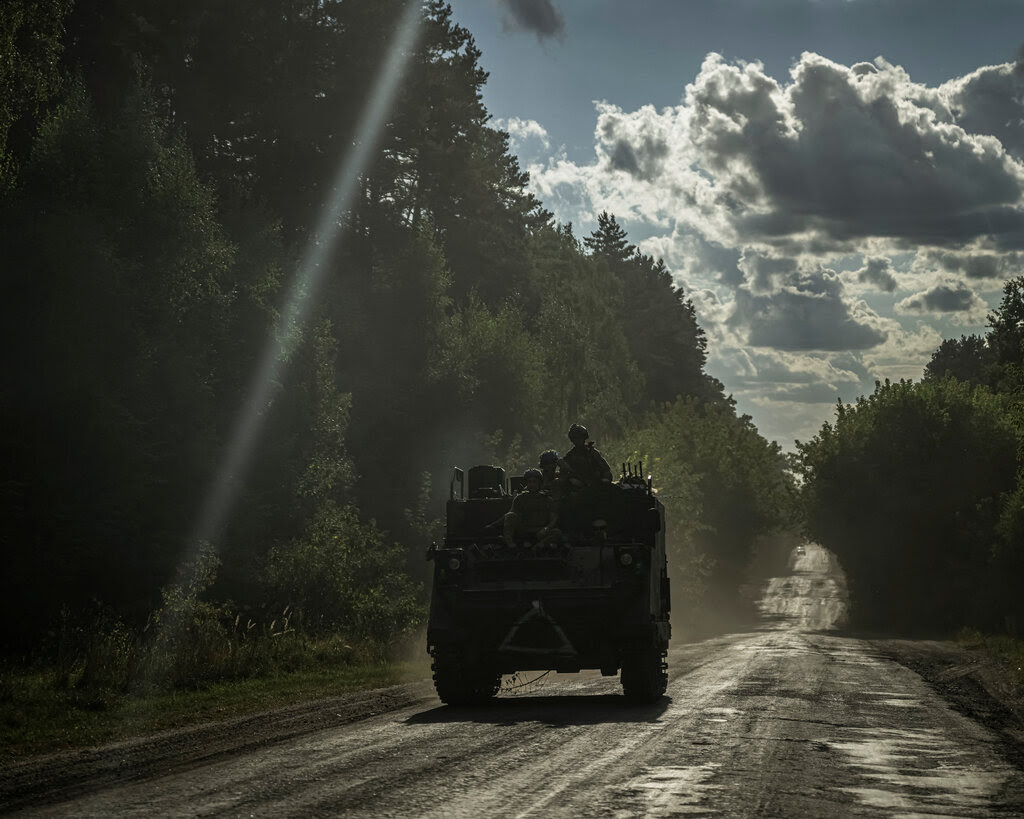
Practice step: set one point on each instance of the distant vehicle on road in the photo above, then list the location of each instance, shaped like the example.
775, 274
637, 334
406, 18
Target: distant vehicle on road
596, 598
800, 551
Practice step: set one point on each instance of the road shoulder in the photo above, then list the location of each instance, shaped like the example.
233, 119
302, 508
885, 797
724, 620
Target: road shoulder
65, 775
972, 682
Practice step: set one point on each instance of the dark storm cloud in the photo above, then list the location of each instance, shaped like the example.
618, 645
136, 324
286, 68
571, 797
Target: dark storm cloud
807, 314
942, 298
982, 267
877, 271
840, 155
537, 16
976, 265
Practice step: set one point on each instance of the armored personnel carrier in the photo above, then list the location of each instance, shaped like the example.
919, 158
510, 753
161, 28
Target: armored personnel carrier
596, 598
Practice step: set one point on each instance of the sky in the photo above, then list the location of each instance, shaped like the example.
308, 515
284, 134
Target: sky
837, 185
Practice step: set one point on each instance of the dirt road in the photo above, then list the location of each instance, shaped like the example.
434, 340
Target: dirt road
789, 720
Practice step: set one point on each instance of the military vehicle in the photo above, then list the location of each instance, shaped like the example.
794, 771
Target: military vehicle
597, 598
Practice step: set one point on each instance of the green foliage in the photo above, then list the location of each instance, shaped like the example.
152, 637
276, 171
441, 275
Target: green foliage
489, 360
1007, 565
997, 361
1006, 323
329, 470
722, 484
660, 323
185, 636
610, 241
342, 574
116, 298
345, 576
38, 718
968, 358
905, 486
30, 47
422, 518
587, 369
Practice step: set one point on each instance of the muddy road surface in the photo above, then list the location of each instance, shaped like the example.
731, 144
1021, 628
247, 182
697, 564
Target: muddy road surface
788, 720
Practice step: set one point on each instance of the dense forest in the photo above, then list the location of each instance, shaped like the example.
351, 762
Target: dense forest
269, 272
919, 487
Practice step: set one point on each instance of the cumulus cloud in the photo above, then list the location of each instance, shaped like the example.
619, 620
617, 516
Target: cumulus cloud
636, 145
537, 16
695, 261
791, 394
756, 190
835, 160
807, 313
781, 376
877, 271
838, 155
904, 353
763, 271
990, 101
972, 264
943, 298
523, 131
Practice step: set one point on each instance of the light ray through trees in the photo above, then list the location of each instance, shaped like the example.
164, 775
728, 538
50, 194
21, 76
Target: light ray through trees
228, 481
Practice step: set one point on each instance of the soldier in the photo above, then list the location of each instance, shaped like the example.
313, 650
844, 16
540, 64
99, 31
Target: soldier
553, 483
585, 466
532, 516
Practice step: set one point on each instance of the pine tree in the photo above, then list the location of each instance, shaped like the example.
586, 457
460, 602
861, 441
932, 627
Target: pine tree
610, 242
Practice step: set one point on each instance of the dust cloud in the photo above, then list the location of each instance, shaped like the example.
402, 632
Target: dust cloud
813, 597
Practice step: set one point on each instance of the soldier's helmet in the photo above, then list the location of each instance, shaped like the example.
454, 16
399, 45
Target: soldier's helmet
578, 431
548, 457
534, 474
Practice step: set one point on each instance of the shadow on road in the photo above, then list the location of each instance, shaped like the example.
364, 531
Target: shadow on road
551, 710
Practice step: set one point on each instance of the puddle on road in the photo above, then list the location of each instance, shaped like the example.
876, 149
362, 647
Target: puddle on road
919, 772
722, 714
667, 791
895, 699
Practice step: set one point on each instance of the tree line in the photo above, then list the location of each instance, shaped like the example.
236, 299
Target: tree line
919, 487
162, 171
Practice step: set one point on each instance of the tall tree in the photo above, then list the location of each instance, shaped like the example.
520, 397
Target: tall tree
968, 358
905, 486
666, 342
610, 242
113, 314
30, 47
1006, 324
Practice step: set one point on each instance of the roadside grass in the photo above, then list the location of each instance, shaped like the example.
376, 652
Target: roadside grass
94, 679
39, 715
1008, 652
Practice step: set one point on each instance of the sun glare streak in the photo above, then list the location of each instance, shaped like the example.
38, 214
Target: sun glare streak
266, 380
